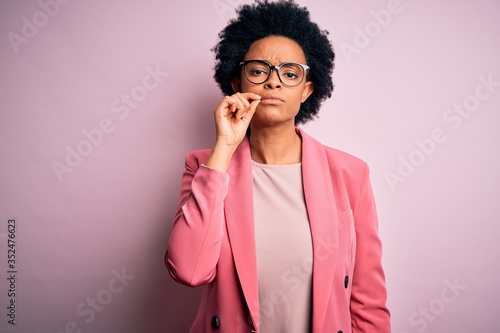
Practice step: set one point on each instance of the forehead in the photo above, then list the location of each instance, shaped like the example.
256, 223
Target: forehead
276, 50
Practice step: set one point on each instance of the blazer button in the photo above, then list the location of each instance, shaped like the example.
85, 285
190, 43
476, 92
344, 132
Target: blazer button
346, 283
215, 322
339, 332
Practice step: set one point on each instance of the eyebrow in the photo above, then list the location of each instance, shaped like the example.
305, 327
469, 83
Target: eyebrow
288, 61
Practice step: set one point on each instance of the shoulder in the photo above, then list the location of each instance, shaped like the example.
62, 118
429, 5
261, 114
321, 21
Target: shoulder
349, 174
338, 160
347, 170
341, 160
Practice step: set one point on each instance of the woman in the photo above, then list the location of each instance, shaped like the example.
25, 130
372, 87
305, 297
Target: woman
280, 230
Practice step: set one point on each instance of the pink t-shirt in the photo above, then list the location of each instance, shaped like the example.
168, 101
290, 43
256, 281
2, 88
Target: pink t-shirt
284, 249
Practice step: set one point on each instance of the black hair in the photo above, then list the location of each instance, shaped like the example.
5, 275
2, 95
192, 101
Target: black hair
281, 18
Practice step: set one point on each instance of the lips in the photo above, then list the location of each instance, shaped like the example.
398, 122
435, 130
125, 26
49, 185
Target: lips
271, 100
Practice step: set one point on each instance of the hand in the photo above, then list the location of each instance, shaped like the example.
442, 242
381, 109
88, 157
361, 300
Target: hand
232, 118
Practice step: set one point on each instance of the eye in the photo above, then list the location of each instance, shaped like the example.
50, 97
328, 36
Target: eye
290, 75
291, 72
257, 71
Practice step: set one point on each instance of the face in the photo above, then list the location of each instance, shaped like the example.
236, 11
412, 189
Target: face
280, 103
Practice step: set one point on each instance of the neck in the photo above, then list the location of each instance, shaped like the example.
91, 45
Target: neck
276, 145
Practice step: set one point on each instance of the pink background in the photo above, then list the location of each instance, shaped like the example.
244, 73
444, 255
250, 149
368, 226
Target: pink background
397, 80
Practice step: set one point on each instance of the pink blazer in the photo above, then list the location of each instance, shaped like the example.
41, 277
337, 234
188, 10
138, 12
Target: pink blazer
212, 242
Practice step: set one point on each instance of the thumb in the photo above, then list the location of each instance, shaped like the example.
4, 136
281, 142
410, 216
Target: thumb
252, 107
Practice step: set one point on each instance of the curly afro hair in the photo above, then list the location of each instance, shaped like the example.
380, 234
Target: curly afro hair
282, 18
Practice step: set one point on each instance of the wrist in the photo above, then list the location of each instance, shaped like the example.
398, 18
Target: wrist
220, 157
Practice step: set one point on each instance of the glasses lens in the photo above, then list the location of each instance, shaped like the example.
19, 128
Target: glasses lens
291, 74
257, 72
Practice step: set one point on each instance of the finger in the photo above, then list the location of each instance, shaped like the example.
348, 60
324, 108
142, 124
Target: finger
254, 101
250, 111
225, 106
243, 99
242, 105
251, 96
253, 107
233, 104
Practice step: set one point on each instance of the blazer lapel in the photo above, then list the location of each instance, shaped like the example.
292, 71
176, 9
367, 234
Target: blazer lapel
321, 208
240, 225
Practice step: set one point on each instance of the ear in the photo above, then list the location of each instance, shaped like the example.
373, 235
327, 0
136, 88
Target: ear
236, 85
307, 91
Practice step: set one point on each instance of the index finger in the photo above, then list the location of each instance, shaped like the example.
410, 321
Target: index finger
251, 96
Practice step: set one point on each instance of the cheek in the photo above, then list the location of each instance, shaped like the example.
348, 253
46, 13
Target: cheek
245, 86
296, 99
293, 105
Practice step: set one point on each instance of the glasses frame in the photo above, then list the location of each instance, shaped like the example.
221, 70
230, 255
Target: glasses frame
277, 68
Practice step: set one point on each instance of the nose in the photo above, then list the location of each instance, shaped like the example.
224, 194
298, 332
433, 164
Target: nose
273, 81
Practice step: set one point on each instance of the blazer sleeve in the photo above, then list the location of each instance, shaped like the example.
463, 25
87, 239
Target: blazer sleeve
198, 225
368, 298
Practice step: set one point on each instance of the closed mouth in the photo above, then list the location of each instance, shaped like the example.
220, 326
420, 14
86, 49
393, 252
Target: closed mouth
272, 99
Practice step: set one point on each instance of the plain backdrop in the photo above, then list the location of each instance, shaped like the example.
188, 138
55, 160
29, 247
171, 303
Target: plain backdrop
101, 100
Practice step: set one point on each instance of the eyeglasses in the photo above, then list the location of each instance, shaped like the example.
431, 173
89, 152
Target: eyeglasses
291, 74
